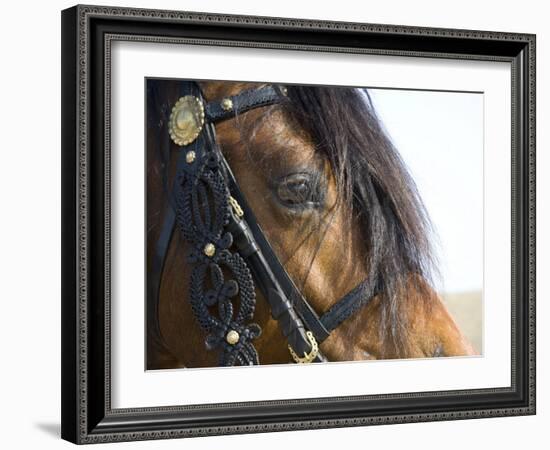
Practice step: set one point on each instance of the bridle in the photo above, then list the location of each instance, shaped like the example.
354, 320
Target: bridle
230, 253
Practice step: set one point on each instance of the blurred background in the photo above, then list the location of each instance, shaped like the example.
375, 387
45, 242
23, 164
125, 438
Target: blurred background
440, 137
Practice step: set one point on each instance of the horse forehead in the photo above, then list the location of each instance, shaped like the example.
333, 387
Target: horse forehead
266, 134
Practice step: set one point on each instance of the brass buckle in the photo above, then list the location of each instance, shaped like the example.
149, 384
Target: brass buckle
308, 357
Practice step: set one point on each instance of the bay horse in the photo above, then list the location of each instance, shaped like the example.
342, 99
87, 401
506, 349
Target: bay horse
337, 205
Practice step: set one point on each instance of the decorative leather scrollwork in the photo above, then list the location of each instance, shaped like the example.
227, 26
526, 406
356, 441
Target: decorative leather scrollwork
222, 292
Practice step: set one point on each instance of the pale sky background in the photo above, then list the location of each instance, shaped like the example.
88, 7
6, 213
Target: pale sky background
440, 137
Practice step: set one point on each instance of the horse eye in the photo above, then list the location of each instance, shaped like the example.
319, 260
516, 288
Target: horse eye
299, 190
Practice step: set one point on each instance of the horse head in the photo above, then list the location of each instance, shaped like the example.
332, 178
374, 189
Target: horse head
338, 206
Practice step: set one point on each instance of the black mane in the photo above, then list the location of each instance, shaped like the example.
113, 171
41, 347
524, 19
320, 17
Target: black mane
374, 180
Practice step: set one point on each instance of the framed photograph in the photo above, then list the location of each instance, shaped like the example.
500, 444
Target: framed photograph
281, 224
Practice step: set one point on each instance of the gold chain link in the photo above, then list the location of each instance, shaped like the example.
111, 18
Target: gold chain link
308, 357
236, 207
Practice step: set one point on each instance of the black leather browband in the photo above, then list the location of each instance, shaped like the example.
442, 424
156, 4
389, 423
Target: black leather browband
241, 103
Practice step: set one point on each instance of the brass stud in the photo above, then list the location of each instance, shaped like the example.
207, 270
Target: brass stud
227, 104
190, 156
209, 250
232, 337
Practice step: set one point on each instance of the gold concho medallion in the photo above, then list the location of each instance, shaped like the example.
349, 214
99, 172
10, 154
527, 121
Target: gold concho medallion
186, 120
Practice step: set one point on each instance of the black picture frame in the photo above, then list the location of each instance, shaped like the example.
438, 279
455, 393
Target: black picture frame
87, 416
